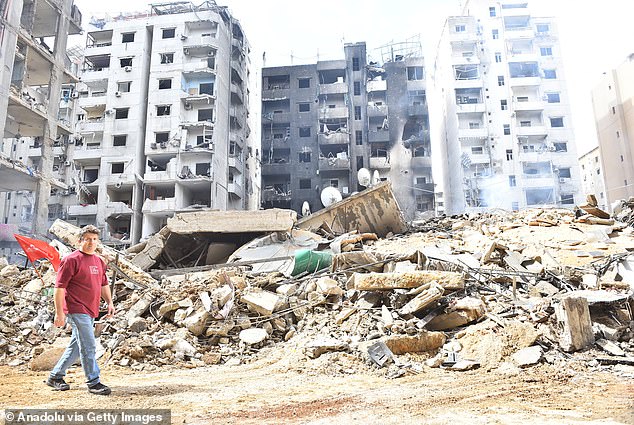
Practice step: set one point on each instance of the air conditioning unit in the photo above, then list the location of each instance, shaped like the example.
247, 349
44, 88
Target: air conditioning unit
186, 52
117, 93
163, 145
153, 145
74, 95
183, 37
67, 163
109, 111
188, 106
562, 180
211, 53
127, 68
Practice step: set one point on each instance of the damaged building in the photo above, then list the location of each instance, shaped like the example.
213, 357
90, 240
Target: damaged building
323, 122
505, 128
35, 112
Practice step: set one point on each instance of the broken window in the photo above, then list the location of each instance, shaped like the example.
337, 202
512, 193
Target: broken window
205, 114
90, 175
567, 198
119, 140
203, 140
124, 86
304, 107
276, 82
203, 169
125, 62
206, 88
305, 184
466, 72
162, 138
415, 73
121, 113
334, 183
557, 122
539, 196
127, 37
552, 97
162, 110
523, 69
167, 58
117, 168
304, 156
467, 96
304, 132
303, 83
560, 147
169, 32
164, 84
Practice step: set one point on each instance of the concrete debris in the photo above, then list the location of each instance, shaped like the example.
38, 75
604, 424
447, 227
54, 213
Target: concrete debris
488, 290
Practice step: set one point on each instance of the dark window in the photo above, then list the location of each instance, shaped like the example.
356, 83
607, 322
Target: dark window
557, 122
203, 140
356, 65
127, 37
613, 110
303, 83
498, 57
206, 88
304, 132
359, 162
167, 57
162, 110
358, 137
357, 88
121, 113
546, 51
495, 34
161, 137
553, 97
543, 28
492, 11
119, 140
304, 157
550, 74
415, 73
357, 112
564, 172
124, 86
117, 168
165, 84
567, 198
500, 80
169, 32
503, 104
304, 184
205, 114
202, 168
304, 107
125, 62
512, 182
507, 129
509, 154
560, 147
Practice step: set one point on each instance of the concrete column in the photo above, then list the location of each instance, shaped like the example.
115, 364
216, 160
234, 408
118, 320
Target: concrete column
9, 36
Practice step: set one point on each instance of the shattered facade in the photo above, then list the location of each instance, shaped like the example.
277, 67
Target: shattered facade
592, 177
505, 131
323, 122
614, 120
35, 111
161, 121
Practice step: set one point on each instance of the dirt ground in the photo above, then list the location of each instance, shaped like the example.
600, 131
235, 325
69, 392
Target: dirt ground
272, 390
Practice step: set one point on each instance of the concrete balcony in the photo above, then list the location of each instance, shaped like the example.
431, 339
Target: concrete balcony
82, 210
87, 153
377, 111
334, 164
276, 92
468, 108
466, 84
378, 85
332, 113
92, 75
334, 88
235, 163
464, 36
525, 33
523, 56
90, 126
426, 188
336, 138
235, 189
417, 110
273, 196
118, 179
421, 162
416, 85
480, 158
516, 11
524, 81
99, 49
475, 133
464, 60
117, 208
531, 181
159, 176
379, 136
277, 117
158, 205
534, 105
535, 130
237, 91
380, 163
275, 168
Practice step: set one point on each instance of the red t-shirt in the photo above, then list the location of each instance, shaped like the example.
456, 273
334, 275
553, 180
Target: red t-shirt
82, 275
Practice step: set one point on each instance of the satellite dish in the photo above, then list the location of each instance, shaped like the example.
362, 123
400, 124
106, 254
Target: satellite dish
364, 177
305, 209
376, 179
329, 196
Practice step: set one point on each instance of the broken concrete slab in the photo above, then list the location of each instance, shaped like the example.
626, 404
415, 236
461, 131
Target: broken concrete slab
256, 221
321, 345
253, 336
451, 281
426, 298
597, 212
528, 356
424, 341
262, 302
152, 250
374, 210
573, 316
344, 314
140, 307
47, 359
610, 347
465, 310
197, 322
328, 286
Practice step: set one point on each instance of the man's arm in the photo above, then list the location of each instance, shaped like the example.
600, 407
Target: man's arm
58, 298
107, 296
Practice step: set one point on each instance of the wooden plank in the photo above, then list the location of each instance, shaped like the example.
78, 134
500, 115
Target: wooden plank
573, 316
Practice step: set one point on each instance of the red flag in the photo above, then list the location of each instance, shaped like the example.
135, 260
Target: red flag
36, 249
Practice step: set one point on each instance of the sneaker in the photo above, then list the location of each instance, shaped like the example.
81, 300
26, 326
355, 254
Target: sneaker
99, 389
58, 384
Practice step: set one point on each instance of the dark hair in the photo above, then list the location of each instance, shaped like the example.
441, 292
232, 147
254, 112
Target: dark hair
88, 229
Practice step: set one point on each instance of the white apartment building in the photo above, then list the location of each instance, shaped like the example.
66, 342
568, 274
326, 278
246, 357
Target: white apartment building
162, 120
592, 177
505, 132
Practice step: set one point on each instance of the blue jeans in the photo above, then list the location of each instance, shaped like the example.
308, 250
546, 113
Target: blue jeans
82, 345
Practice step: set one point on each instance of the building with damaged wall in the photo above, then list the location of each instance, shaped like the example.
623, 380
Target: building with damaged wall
614, 120
592, 177
35, 112
505, 130
162, 123
323, 122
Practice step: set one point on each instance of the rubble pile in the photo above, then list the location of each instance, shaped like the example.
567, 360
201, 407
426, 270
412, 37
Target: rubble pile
490, 290
624, 211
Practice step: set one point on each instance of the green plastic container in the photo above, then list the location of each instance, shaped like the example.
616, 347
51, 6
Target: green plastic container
310, 261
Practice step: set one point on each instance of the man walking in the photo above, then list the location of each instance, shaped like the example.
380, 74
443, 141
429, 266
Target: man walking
81, 282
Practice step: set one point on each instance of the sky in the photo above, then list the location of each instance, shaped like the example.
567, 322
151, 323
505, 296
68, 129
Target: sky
595, 36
